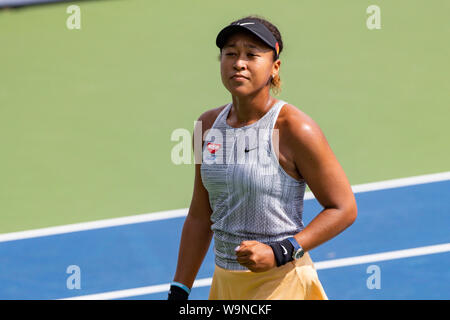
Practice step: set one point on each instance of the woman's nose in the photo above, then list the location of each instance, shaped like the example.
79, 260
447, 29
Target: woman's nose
240, 64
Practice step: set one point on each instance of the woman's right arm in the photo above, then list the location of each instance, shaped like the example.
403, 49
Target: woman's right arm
197, 234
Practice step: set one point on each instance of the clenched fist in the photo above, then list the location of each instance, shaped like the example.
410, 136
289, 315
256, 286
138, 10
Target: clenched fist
256, 256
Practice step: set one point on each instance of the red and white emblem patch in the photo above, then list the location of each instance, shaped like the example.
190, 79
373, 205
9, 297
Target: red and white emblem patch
213, 147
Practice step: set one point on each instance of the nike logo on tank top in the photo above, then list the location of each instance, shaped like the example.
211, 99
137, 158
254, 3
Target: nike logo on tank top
251, 195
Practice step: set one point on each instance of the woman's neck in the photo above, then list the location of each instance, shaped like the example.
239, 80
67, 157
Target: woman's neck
249, 109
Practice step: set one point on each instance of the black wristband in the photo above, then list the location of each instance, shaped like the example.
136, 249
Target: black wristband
283, 251
177, 293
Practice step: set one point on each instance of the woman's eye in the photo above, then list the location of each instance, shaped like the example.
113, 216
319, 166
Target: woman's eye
232, 54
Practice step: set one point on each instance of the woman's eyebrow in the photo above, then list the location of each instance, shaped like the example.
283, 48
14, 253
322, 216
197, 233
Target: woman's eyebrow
246, 45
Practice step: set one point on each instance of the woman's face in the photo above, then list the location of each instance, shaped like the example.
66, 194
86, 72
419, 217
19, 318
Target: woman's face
248, 56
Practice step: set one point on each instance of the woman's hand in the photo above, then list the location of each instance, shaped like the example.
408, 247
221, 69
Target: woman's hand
256, 256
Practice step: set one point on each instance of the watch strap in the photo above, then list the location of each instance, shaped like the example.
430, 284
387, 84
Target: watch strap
294, 243
296, 246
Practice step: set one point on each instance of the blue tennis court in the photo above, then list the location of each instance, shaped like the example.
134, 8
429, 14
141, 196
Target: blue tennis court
403, 232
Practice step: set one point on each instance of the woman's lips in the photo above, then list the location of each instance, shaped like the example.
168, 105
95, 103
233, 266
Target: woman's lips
238, 78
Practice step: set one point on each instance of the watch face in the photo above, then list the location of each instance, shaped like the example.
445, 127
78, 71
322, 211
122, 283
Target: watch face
298, 254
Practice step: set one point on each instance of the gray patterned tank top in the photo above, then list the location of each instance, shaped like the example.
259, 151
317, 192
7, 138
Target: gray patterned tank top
251, 196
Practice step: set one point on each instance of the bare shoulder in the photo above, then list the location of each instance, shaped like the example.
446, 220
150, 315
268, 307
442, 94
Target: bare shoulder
208, 117
314, 159
297, 126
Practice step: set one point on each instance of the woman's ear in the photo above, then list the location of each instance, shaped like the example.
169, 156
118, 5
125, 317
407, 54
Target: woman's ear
276, 67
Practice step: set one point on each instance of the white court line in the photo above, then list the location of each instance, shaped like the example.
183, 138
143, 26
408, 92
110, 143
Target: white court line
390, 255
93, 225
147, 217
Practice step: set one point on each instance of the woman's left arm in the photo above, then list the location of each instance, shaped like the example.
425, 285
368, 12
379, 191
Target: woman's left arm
325, 177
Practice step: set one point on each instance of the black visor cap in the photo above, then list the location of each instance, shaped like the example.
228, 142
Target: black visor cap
254, 27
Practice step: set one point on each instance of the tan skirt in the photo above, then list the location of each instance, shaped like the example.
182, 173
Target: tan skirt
296, 280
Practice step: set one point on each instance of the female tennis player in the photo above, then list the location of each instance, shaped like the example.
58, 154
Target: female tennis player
254, 208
